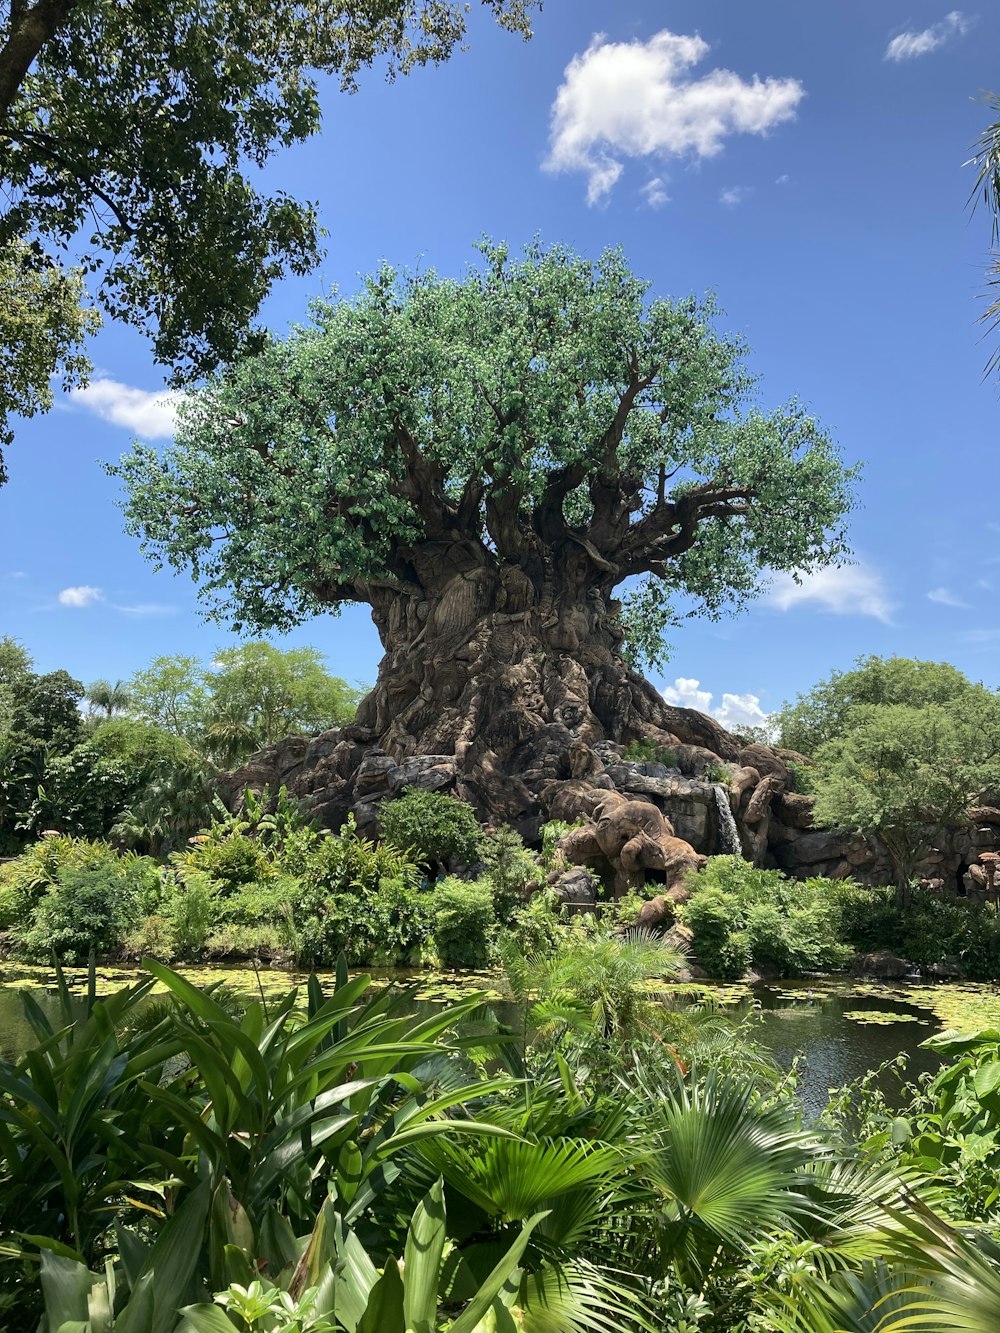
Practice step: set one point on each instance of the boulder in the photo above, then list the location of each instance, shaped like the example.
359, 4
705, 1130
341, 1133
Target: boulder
426, 771
656, 915
813, 847
794, 809
577, 887
881, 964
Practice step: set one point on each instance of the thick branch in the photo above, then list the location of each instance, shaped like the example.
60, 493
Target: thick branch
29, 33
423, 484
671, 527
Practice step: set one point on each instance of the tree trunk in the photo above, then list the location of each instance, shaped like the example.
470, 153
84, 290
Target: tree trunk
515, 679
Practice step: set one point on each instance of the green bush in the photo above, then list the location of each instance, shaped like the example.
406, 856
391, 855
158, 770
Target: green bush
512, 871
741, 917
231, 861
463, 920
268, 902
403, 912
434, 828
191, 908
928, 930
88, 910
534, 930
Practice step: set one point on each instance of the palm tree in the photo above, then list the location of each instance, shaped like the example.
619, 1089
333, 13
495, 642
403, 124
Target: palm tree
107, 699
987, 191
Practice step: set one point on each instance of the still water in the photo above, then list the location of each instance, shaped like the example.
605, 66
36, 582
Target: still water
833, 1029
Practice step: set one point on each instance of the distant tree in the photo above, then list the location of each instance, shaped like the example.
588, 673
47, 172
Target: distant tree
250, 696
108, 699
135, 133
171, 693
900, 772
825, 712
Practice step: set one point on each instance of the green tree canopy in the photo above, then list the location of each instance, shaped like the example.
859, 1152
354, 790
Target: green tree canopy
544, 417
827, 711
900, 771
247, 697
43, 327
133, 134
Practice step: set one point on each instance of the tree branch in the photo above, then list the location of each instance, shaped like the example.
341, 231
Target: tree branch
29, 33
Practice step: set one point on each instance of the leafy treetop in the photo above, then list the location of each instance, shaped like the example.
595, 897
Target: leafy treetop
542, 410
139, 121
827, 711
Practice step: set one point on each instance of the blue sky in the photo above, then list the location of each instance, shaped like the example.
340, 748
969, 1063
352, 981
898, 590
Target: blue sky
824, 205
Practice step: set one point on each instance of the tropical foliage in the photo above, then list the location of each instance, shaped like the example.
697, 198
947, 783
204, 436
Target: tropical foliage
333, 1162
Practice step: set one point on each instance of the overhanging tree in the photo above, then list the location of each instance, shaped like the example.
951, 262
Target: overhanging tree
135, 132
484, 463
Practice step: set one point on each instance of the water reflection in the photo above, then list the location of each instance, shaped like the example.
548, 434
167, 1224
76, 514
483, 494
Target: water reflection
804, 1020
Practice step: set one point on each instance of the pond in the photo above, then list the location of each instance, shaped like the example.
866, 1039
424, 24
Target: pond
834, 1028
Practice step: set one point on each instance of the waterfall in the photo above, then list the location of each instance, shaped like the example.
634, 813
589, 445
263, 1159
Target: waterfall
729, 834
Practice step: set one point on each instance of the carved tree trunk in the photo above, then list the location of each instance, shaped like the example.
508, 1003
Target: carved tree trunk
516, 677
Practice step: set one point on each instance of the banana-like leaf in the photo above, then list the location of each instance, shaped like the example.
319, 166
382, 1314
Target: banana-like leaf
384, 1311
422, 1258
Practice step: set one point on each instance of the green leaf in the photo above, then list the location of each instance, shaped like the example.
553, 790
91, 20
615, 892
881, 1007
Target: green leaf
422, 1258
384, 1311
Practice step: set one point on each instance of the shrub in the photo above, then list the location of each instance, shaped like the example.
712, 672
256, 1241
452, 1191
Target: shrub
512, 871
535, 928
741, 916
463, 920
552, 833
231, 861
435, 828
648, 752
153, 937
928, 930
265, 902
87, 910
192, 908
404, 921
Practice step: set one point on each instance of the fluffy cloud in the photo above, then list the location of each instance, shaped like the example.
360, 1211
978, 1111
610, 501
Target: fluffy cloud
944, 597
736, 712
151, 415
84, 595
734, 195
907, 45
637, 99
655, 192
843, 590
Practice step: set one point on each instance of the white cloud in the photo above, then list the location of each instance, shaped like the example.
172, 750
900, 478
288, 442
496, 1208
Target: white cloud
741, 710
734, 195
147, 609
636, 99
151, 415
736, 711
655, 192
84, 595
684, 693
842, 590
946, 598
907, 45
783, 179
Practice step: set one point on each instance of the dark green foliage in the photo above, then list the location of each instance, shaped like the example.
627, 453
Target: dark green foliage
743, 917
463, 922
159, 193
93, 900
511, 871
927, 930
435, 828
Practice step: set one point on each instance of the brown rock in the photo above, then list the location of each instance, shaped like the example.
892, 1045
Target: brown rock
794, 809
657, 914
882, 964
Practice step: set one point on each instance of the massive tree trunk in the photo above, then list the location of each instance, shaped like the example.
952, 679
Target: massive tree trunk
516, 677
